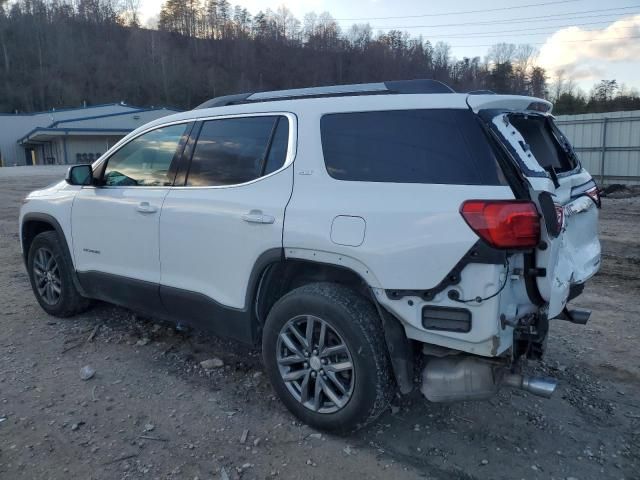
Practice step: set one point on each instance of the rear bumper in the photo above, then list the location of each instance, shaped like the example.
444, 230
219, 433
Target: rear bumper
489, 328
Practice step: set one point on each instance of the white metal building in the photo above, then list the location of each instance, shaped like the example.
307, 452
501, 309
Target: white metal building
70, 135
608, 144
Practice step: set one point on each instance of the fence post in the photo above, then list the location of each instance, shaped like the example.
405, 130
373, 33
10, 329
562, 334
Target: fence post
603, 149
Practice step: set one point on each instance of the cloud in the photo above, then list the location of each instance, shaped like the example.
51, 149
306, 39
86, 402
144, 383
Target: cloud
588, 54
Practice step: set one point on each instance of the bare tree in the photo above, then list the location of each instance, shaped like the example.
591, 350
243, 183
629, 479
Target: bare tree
130, 12
525, 56
359, 36
441, 60
51, 51
502, 53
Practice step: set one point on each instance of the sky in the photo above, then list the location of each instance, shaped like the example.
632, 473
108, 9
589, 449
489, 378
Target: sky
583, 40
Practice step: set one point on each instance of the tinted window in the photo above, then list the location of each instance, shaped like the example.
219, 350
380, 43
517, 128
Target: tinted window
537, 132
236, 150
409, 146
278, 149
145, 160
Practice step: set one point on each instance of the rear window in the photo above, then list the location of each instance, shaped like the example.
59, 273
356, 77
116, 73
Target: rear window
542, 141
443, 146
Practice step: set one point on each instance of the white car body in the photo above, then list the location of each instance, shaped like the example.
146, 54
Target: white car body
397, 237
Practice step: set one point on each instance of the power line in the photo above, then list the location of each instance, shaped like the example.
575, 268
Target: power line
498, 33
572, 15
509, 21
564, 41
461, 12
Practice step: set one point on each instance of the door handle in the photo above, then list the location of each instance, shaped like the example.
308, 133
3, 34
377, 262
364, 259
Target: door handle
145, 207
256, 216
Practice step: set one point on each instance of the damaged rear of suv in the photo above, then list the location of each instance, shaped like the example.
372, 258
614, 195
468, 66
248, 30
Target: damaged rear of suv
373, 238
471, 221
549, 243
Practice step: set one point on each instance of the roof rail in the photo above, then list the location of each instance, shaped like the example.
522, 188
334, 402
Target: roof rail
224, 101
481, 92
381, 88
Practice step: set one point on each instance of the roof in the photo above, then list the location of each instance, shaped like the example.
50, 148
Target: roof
420, 86
312, 107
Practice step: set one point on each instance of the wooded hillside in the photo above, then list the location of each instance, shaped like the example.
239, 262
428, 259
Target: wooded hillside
54, 53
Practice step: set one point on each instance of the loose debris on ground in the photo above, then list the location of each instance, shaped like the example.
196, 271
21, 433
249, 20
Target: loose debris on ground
112, 395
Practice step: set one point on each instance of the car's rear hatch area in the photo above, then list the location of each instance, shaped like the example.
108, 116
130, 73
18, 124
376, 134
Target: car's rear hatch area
552, 177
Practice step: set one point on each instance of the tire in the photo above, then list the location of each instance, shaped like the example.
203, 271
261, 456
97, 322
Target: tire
47, 255
349, 399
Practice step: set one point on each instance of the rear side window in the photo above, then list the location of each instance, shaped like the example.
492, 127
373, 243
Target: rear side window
237, 150
409, 146
541, 140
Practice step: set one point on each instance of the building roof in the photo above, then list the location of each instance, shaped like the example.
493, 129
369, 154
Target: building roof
66, 127
44, 134
66, 109
116, 114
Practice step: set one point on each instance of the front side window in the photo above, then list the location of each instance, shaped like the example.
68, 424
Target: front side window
444, 146
232, 151
145, 160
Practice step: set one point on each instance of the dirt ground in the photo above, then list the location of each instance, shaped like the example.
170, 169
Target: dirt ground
151, 411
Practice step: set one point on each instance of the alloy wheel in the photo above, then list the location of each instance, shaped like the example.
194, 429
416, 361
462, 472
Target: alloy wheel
46, 274
315, 364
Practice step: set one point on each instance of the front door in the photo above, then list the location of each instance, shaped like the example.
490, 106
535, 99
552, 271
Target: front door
115, 223
226, 221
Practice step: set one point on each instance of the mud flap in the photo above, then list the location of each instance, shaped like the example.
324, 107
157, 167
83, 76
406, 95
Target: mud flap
400, 351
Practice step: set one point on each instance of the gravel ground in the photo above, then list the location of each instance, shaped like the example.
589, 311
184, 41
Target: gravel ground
151, 411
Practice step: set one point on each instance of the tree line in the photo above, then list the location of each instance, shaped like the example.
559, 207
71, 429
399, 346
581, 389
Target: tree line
59, 53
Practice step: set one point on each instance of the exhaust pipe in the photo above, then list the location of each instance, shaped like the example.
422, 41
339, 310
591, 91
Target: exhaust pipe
540, 386
469, 378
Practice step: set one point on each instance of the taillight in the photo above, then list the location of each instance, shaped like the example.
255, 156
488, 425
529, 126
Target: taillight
594, 194
503, 223
559, 219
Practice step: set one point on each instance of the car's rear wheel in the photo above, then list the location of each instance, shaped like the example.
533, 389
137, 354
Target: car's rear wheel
325, 355
50, 273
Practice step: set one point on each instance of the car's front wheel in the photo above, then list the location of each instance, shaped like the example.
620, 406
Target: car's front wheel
325, 354
50, 273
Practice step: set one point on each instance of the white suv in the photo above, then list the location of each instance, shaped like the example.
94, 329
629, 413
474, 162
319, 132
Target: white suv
361, 233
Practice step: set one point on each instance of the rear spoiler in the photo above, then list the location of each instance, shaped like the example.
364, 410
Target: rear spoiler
508, 102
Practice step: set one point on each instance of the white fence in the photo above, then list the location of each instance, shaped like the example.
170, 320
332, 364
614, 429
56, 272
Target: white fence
608, 144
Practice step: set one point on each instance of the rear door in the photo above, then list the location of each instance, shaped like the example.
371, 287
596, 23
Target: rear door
566, 194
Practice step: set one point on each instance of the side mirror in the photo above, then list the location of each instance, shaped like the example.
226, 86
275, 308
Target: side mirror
79, 175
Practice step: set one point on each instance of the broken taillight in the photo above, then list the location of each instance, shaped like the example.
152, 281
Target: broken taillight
503, 223
559, 219
594, 194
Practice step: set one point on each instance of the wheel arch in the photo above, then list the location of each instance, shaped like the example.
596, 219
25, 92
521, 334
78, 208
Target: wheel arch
35, 223
279, 277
